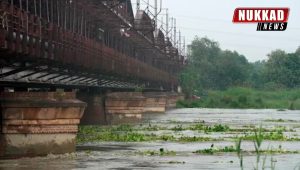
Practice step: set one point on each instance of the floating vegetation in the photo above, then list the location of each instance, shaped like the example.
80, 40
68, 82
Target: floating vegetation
214, 128
126, 134
137, 133
151, 127
279, 120
273, 136
178, 128
214, 150
160, 152
197, 139
173, 162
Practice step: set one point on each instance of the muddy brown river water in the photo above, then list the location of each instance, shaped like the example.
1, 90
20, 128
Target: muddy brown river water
123, 155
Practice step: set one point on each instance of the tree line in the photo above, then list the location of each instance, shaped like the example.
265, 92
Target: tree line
211, 68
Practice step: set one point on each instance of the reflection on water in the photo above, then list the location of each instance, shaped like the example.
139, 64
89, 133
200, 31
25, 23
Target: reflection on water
114, 155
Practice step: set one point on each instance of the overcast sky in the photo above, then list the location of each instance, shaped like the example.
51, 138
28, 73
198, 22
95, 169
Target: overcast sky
213, 18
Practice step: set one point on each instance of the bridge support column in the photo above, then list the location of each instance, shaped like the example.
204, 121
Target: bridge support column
129, 107
155, 102
124, 107
39, 123
94, 114
172, 99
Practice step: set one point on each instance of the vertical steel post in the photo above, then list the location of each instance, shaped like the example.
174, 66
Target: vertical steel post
167, 22
27, 18
138, 5
175, 33
35, 11
47, 9
179, 43
21, 7
184, 50
81, 23
155, 14
40, 19
171, 29
65, 13
74, 16
58, 11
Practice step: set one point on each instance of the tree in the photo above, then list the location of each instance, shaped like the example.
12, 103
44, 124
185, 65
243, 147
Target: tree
257, 75
283, 68
209, 67
297, 52
188, 80
233, 69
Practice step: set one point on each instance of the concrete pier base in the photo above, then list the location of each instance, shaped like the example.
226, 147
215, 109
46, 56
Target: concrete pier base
126, 107
38, 123
155, 102
172, 99
129, 107
94, 113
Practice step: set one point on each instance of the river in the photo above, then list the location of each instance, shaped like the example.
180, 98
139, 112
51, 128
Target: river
124, 155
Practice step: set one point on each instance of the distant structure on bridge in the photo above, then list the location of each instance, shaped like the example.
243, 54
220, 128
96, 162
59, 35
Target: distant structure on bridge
88, 43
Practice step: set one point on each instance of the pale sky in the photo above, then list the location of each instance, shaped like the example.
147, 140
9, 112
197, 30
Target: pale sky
213, 18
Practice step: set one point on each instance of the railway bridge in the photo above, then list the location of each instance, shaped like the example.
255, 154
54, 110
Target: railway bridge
62, 61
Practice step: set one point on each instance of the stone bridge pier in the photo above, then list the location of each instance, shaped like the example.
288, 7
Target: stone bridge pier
94, 113
130, 107
38, 123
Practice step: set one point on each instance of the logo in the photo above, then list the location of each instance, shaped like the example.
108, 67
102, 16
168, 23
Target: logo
268, 19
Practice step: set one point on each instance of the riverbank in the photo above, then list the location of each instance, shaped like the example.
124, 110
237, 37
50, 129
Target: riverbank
242, 98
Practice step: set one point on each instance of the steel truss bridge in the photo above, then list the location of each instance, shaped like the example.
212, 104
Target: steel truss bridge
83, 43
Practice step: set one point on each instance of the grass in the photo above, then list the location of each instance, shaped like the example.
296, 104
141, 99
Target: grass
246, 98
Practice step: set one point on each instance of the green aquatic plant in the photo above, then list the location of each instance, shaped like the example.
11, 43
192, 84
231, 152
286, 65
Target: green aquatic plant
273, 163
214, 128
160, 152
177, 128
238, 148
273, 135
195, 139
220, 128
173, 162
279, 120
212, 150
167, 138
151, 127
258, 139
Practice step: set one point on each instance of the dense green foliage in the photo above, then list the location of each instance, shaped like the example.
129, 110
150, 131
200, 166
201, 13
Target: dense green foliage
247, 98
211, 68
